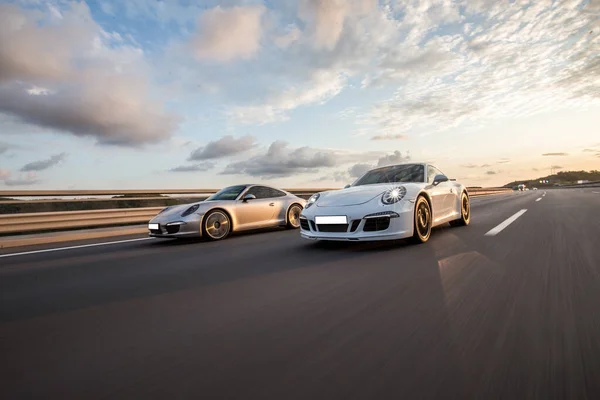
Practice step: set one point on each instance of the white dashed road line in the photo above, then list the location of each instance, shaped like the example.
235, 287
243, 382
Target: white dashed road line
538, 199
73, 247
500, 228
596, 192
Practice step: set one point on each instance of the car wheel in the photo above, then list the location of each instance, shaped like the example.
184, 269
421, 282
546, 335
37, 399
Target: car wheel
293, 216
216, 225
465, 212
422, 220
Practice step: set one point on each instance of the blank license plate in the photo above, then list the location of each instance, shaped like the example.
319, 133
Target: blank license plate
153, 226
332, 220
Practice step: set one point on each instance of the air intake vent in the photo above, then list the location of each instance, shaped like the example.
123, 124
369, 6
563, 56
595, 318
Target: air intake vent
355, 225
304, 224
171, 229
376, 224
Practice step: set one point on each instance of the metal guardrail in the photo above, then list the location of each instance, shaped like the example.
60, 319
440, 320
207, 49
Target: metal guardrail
580, 185
68, 220
35, 222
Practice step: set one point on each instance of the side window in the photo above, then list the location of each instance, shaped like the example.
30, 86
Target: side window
275, 193
435, 172
260, 192
431, 172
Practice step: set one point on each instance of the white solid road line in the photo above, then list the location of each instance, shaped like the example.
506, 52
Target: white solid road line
73, 247
538, 199
499, 228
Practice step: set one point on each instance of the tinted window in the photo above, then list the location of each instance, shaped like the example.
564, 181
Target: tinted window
229, 193
393, 174
261, 192
276, 193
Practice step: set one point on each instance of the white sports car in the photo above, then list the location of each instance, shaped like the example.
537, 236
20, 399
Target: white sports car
395, 202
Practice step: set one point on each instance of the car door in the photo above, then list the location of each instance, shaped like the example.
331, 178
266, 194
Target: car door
450, 196
279, 201
256, 212
437, 193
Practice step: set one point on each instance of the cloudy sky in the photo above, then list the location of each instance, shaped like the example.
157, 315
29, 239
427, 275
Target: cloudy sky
182, 94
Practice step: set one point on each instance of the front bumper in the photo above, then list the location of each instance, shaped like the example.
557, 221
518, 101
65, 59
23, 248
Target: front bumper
361, 224
176, 229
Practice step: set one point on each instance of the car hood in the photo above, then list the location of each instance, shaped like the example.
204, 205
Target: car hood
173, 213
357, 195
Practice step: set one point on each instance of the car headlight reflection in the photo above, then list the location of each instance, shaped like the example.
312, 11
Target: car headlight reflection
393, 195
313, 199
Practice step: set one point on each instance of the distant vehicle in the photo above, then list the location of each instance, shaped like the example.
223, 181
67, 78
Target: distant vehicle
535, 188
232, 209
395, 202
521, 187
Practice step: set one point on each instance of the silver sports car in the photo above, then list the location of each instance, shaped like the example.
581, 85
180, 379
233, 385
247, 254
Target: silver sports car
235, 208
388, 203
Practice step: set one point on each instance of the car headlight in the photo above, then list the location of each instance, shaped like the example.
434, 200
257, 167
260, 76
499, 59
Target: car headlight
393, 195
313, 199
191, 210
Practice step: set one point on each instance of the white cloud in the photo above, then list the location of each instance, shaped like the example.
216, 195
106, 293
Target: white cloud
226, 34
326, 19
200, 167
27, 179
44, 164
225, 146
285, 40
527, 58
323, 86
61, 75
280, 160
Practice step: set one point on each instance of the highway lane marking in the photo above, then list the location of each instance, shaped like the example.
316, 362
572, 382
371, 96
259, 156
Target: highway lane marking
595, 192
507, 222
73, 247
538, 199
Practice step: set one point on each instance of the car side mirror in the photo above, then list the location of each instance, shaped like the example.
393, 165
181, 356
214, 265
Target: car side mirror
439, 179
248, 197
347, 186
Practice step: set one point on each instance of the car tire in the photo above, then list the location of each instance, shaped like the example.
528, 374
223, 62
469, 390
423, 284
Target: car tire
216, 225
293, 216
422, 221
465, 212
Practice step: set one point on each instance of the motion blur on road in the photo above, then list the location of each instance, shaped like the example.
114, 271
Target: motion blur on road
507, 307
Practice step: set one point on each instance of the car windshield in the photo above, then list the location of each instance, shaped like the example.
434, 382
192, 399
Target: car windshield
229, 193
393, 174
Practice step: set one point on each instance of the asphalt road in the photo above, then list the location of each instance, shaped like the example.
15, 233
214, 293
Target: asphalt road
513, 315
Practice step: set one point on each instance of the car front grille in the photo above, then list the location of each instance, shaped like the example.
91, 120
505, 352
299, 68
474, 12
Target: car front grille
376, 224
333, 227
